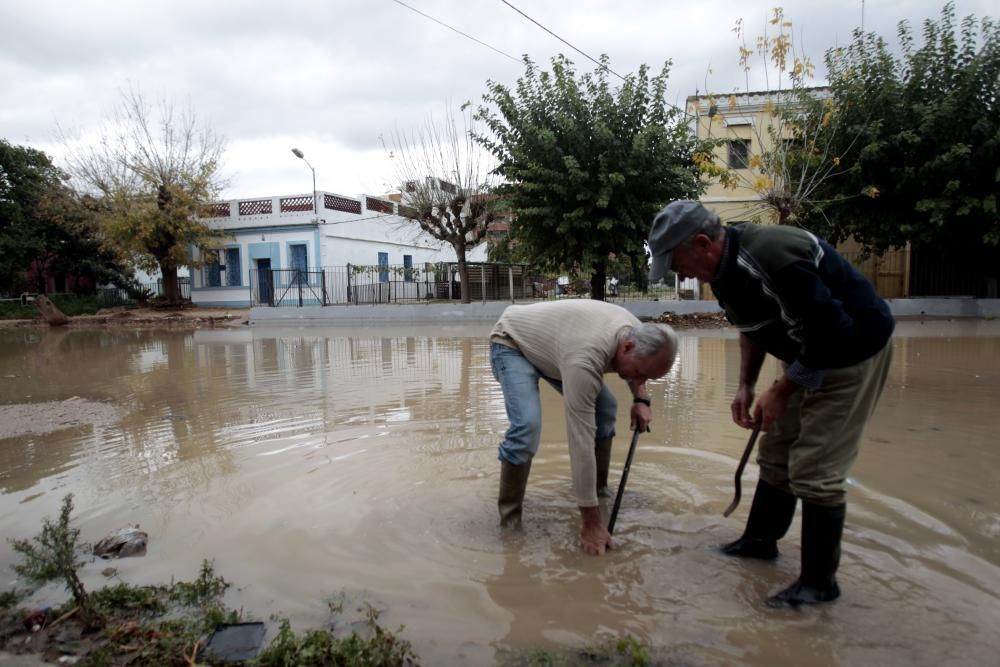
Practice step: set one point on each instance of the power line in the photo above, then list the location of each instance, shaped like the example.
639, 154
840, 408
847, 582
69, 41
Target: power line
599, 64
507, 55
428, 16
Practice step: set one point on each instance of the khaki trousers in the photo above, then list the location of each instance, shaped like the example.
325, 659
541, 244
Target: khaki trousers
809, 451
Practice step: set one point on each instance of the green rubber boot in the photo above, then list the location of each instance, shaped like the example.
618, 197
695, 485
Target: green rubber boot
602, 454
513, 482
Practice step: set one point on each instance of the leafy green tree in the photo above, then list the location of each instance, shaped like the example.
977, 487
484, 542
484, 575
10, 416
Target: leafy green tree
586, 166
26, 177
74, 245
925, 167
154, 176
45, 224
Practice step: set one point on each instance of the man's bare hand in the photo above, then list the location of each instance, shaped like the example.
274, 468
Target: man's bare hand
772, 403
741, 406
594, 536
641, 416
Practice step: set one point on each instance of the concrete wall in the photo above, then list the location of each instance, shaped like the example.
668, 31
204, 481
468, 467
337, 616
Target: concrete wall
490, 311
945, 307
439, 312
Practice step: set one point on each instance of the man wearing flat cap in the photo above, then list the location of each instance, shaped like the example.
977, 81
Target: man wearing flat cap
793, 296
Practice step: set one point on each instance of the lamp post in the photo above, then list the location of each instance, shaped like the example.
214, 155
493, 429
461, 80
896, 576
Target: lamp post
299, 154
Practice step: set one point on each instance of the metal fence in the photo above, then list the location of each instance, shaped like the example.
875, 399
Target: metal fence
970, 271
618, 288
356, 284
118, 296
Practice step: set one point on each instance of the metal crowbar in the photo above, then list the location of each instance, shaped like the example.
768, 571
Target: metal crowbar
621, 484
739, 471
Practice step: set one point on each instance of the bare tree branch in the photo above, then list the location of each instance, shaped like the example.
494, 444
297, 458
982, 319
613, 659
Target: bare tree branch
154, 175
447, 184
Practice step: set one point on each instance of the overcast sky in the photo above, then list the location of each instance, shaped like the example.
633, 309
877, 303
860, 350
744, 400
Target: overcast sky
329, 77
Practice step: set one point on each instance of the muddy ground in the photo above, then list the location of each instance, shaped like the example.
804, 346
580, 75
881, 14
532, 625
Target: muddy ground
149, 318
19, 419
694, 320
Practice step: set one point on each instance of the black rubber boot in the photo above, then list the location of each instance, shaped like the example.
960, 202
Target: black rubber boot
513, 482
822, 529
602, 453
770, 516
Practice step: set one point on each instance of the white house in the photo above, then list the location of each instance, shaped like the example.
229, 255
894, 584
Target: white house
274, 236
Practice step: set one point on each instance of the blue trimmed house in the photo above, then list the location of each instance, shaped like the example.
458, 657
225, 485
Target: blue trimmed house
283, 233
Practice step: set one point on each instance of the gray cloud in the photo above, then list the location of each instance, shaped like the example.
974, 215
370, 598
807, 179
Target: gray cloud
336, 75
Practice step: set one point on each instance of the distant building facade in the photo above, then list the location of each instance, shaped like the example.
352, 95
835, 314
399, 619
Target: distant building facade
285, 233
748, 127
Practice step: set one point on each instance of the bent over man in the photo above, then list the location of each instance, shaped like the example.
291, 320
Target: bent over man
571, 345
791, 295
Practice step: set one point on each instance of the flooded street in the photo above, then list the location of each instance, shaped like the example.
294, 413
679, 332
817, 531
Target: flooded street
314, 462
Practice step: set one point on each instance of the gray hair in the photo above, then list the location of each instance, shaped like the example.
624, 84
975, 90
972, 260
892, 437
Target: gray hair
650, 338
711, 227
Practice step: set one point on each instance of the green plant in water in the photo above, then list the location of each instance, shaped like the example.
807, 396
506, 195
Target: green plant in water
628, 651
377, 648
206, 588
51, 555
633, 651
137, 633
125, 599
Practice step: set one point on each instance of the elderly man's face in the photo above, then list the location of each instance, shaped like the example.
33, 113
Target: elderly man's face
635, 369
695, 260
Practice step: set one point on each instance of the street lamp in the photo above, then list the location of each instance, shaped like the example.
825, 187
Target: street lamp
301, 156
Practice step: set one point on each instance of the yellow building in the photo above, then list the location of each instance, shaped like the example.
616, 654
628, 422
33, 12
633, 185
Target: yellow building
748, 126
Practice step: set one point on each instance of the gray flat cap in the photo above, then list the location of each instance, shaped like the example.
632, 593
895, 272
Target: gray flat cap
676, 222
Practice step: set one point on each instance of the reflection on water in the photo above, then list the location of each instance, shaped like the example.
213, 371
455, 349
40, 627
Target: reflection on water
309, 462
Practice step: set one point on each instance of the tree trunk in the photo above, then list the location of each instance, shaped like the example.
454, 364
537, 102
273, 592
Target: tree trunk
463, 272
50, 311
169, 277
640, 275
597, 279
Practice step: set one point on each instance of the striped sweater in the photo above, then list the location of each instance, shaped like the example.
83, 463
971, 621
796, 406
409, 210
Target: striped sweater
798, 299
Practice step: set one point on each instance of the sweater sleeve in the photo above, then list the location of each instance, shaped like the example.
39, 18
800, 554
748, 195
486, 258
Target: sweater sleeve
581, 385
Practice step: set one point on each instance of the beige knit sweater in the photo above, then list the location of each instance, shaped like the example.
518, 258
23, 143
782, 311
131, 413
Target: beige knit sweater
573, 341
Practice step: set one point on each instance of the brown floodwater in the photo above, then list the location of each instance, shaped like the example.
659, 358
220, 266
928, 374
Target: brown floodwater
360, 465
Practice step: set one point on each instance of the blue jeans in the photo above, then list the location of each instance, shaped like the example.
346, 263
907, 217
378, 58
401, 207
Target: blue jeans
519, 381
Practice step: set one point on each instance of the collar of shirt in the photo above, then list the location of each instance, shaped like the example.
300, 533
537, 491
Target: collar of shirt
720, 270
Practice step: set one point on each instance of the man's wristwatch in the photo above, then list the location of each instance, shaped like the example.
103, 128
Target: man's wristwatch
645, 401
